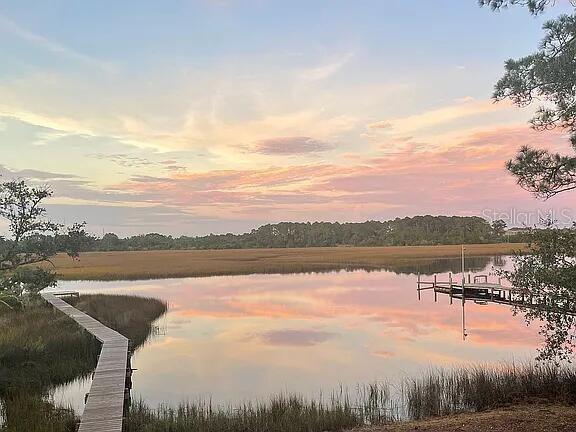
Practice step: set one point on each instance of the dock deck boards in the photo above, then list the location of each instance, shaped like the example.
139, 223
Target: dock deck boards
104, 409
485, 292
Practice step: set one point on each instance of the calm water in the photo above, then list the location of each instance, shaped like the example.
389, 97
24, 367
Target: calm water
239, 338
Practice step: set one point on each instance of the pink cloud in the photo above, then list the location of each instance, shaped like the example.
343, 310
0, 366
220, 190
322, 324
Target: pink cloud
466, 178
383, 353
291, 337
291, 145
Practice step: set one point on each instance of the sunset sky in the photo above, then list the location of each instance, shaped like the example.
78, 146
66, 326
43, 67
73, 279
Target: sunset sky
198, 116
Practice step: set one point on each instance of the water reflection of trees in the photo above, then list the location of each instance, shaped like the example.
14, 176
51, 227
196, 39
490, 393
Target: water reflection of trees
499, 261
444, 265
411, 266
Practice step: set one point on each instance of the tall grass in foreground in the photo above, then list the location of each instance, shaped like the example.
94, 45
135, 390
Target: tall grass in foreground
23, 412
439, 392
283, 413
479, 388
41, 347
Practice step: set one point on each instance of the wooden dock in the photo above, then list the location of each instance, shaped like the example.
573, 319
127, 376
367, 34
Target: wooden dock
108, 399
480, 291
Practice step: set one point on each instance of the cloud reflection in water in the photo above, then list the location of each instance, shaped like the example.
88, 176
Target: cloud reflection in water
237, 338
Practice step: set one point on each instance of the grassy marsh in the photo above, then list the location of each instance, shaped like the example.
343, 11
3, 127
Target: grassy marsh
41, 348
482, 387
437, 393
131, 316
135, 265
282, 413
23, 411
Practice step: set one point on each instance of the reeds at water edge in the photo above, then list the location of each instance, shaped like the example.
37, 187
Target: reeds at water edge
438, 392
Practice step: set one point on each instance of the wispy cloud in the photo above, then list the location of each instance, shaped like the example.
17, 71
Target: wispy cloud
131, 161
383, 124
465, 179
291, 337
291, 146
52, 46
326, 70
403, 178
68, 187
462, 108
383, 353
59, 125
194, 131
34, 174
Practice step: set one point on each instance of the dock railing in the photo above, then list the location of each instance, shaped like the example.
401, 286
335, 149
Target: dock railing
481, 291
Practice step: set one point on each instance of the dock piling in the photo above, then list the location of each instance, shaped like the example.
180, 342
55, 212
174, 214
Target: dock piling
481, 291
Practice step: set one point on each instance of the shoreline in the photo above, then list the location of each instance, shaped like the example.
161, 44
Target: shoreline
539, 416
142, 265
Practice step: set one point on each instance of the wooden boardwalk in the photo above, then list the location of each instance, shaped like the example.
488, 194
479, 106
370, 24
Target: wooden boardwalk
105, 406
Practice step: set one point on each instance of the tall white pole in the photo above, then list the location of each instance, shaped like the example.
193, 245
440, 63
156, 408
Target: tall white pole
463, 268
463, 297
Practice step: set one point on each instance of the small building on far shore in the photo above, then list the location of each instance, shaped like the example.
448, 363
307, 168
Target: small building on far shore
516, 233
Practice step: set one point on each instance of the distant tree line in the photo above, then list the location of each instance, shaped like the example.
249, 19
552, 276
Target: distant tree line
419, 230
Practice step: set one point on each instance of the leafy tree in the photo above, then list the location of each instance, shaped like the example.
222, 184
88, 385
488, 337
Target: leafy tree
498, 228
110, 241
535, 6
418, 230
548, 274
548, 76
32, 240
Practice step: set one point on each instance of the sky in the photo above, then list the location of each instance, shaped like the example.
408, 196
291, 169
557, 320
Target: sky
199, 116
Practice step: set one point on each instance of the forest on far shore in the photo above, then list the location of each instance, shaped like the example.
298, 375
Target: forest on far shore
408, 231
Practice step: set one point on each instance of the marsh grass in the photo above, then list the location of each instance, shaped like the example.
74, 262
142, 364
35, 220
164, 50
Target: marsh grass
139, 265
31, 413
41, 348
282, 413
478, 388
129, 315
437, 393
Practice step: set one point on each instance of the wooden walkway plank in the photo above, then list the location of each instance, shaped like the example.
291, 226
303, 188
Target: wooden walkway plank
104, 409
